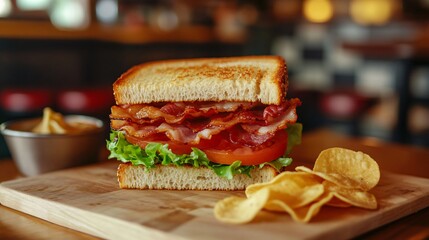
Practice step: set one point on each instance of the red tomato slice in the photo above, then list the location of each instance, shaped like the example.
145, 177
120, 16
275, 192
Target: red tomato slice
176, 148
247, 155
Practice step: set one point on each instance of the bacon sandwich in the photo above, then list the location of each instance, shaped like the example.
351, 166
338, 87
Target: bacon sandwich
203, 124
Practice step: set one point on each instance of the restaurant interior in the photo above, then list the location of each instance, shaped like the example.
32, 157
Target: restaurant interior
360, 67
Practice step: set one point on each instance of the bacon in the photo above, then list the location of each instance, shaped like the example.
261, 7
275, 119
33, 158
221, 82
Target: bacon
238, 135
278, 123
144, 114
174, 112
226, 106
250, 127
173, 108
136, 130
273, 111
179, 133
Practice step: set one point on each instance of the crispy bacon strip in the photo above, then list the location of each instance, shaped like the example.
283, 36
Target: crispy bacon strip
256, 126
174, 112
280, 122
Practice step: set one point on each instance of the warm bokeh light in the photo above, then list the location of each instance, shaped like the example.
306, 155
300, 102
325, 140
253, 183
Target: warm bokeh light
318, 11
33, 4
5, 8
286, 9
72, 14
370, 12
107, 10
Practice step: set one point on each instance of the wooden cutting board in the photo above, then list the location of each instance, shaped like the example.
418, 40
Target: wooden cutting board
88, 199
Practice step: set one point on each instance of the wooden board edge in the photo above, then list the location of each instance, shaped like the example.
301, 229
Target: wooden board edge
389, 215
373, 222
81, 220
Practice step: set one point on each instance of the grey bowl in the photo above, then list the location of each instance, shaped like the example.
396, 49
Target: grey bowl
35, 153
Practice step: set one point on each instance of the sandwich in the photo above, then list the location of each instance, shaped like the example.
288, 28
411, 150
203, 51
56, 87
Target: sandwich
203, 124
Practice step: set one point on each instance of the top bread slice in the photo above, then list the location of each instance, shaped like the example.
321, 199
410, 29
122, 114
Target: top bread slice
250, 79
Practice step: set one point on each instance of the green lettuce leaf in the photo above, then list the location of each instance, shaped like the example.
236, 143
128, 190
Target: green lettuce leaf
278, 164
294, 133
157, 153
229, 171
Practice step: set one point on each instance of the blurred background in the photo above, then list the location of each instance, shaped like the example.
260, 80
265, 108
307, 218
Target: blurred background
360, 67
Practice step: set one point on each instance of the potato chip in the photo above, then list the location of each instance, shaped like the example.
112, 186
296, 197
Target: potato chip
340, 178
291, 182
353, 197
241, 210
336, 202
359, 168
303, 214
332, 177
294, 197
279, 178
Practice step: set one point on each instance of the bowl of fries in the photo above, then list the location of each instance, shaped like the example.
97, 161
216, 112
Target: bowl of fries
53, 142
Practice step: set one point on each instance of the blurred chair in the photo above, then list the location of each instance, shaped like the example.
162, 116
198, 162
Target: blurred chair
17, 103
94, 102
343, 110
22, 103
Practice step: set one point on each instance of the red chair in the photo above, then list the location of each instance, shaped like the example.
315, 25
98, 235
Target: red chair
17, 102
343, 109
94, 101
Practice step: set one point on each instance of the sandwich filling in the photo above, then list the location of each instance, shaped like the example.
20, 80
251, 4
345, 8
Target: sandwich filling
241, 135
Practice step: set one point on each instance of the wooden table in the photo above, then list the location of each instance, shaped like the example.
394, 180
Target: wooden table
393, 157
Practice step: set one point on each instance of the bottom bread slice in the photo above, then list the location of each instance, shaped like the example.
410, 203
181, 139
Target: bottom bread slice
187, 178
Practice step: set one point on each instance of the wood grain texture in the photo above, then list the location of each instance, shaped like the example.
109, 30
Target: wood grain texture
17, 225
88, 199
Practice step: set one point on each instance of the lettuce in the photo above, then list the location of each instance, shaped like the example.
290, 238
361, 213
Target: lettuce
294, 135
157, 153
278, 164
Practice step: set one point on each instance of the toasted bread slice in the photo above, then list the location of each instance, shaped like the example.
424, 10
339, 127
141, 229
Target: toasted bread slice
251, 79
187, 178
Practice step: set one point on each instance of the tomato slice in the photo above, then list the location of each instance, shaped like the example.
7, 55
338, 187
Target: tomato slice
249, 156
176, 148
228, 155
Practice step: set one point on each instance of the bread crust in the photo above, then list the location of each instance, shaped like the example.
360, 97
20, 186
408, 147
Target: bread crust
186, 178
249, 78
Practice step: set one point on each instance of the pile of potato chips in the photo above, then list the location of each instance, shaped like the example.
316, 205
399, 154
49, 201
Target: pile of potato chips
340, 178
